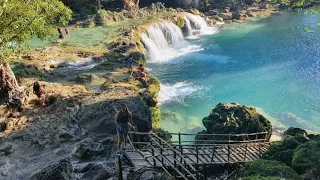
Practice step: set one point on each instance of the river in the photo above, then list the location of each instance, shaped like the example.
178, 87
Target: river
272, 64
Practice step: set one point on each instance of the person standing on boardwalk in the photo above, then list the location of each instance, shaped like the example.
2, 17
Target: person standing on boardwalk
124, 122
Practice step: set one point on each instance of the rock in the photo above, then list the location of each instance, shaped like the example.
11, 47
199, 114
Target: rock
98, 172
293, 131
212, 12
147, 175
194, 11
6, 149
86, 78
107, 83
3, 126
251, 14
211, 21
137, 55
226, 10
240, 15
226, 16
61, 170
87, 148
236, 118
283, 5
249, 2
264, 6
218, 18
82, 168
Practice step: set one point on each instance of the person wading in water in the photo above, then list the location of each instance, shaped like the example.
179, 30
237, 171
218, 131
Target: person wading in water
123, 122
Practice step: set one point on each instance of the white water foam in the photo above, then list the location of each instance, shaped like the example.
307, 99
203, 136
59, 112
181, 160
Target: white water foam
198, 25
164, 40
176, 92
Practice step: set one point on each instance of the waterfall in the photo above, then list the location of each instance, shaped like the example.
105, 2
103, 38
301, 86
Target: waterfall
188, 25
151, 46
197, 23
164, 40
160, 36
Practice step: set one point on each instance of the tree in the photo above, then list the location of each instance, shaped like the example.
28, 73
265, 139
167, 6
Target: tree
20, 21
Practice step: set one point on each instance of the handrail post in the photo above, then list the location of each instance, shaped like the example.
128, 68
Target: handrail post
259, 146
197, 154
204, 172
175, 163
245, 153
120, 177
229, 147
153, 156
179, 135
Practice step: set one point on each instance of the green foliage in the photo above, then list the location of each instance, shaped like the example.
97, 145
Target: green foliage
267, 168
306, 157
259, 177
23, 19
102, 12
283, 151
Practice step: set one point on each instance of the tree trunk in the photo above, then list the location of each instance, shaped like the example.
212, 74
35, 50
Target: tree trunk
11, 92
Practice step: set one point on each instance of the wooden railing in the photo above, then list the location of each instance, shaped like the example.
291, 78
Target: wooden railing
184, 156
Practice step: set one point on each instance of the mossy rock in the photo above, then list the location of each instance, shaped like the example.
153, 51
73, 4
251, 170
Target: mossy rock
306, 157
267, 168
293, 131
235, 118
180, 22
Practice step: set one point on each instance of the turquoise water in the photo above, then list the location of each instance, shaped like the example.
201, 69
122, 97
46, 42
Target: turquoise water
272, 64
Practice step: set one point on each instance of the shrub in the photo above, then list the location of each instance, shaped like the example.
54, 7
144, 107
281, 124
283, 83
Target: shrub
267, 168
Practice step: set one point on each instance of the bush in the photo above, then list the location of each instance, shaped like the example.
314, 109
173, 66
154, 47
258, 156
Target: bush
283, 151
267, 168
258, 177
306, 157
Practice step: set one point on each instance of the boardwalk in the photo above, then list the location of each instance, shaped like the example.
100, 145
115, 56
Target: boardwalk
182, 157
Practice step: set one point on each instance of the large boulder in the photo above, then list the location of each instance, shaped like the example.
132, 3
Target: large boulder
236, 118
62, 170
293, 131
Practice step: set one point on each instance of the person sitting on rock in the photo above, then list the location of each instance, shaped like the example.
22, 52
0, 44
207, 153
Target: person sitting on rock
123, 121
142, 73
39, 91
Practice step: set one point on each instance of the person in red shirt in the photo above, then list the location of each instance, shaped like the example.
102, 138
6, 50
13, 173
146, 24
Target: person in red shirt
142, 73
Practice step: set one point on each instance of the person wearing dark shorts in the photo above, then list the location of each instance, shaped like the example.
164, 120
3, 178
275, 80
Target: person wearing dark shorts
124, 123
130, 62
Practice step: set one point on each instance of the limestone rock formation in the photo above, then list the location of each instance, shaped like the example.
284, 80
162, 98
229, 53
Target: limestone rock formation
236, 118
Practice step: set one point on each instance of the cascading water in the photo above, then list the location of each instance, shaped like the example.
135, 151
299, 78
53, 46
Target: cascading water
151, 46
164, 40
197, 23
188, 25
